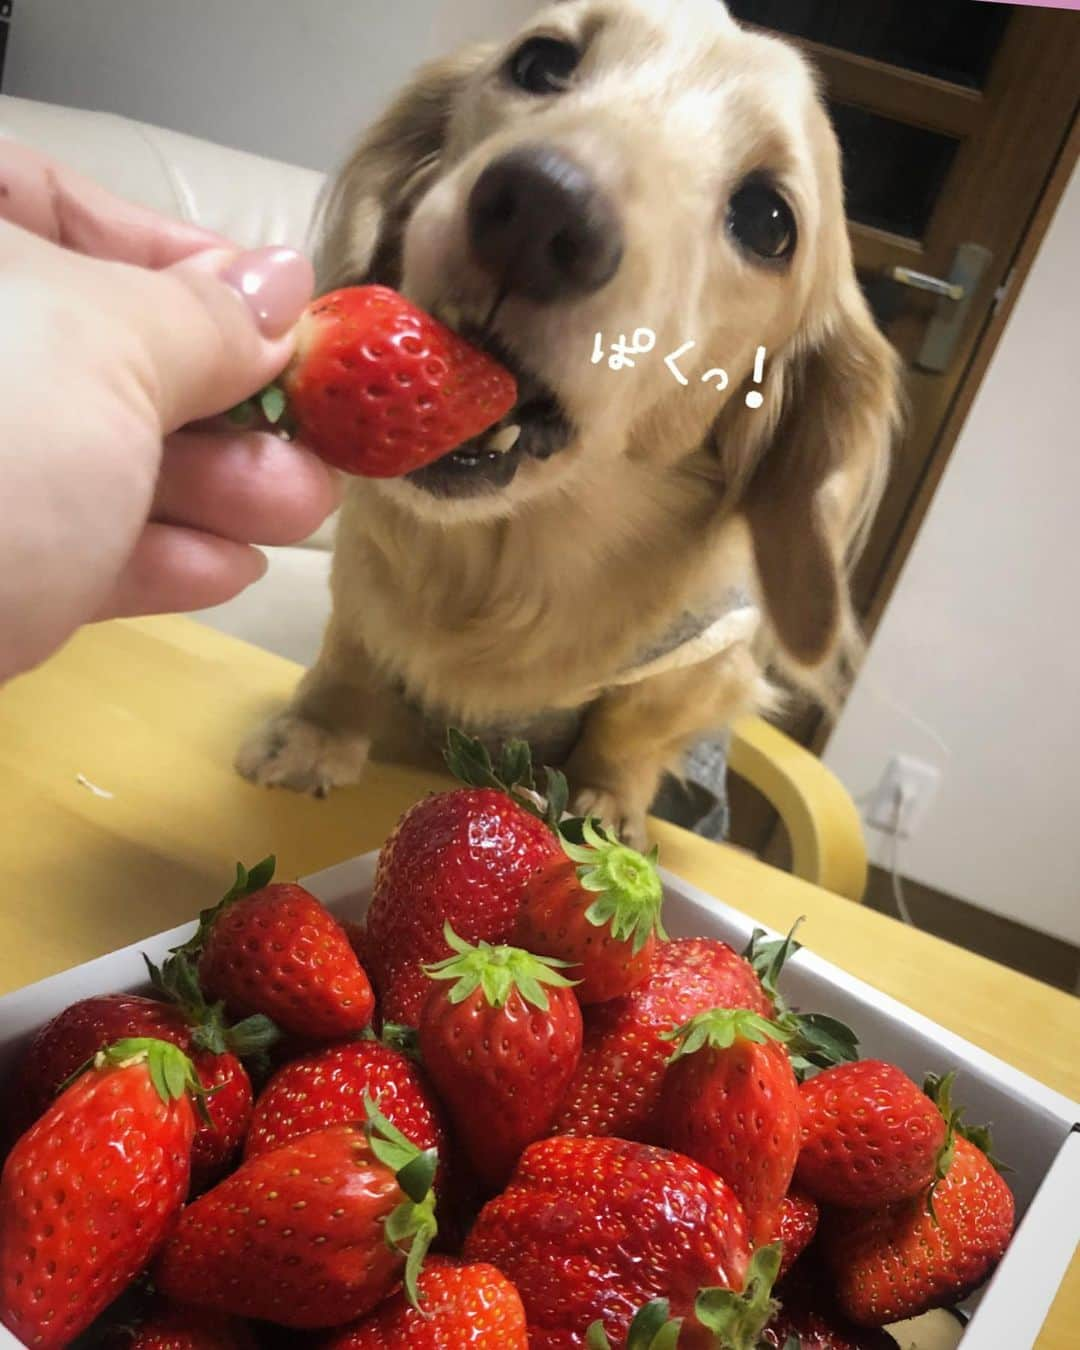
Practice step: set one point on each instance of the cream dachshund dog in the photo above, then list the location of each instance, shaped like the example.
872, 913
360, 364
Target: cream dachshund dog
613, 571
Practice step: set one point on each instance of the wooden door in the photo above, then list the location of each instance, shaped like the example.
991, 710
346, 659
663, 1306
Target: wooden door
957, 120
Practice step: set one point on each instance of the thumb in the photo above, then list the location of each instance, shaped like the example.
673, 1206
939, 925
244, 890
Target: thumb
219, 327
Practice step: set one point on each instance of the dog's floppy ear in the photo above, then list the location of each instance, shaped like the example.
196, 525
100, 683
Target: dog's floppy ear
361, 219
812, 463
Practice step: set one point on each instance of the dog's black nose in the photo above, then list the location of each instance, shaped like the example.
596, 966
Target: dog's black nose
541, 227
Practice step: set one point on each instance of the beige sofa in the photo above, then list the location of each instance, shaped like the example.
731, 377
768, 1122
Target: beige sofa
253, 201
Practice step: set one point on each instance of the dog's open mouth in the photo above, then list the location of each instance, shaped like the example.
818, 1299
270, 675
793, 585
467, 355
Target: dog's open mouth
536, 427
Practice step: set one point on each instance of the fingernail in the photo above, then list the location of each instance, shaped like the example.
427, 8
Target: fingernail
275, 283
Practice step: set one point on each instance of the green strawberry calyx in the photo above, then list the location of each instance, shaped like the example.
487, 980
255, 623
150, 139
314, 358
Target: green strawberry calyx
939, 1088
176, 980
171, 1072
738, 1319
498, 972
652, 1329
177, 983
395, 1036
271, 402
412, 1226
720, 1029
470, 761
816, 1040
629, 894
247, 882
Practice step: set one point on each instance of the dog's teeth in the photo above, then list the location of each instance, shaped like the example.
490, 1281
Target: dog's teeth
504, 439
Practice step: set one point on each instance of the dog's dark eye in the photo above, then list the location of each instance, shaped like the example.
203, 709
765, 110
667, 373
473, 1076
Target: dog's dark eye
543, 65
761, 221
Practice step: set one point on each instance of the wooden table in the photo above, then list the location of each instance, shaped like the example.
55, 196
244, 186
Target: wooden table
150, 712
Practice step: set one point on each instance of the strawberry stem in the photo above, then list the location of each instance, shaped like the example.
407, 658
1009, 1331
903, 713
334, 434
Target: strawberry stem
939, 1089
737, 1320
629, 894
816, 1040
498, 972
412, 1226
470, 761
271, 401
247, 882
177, 983
171, 1072
720, 1028
651, 1329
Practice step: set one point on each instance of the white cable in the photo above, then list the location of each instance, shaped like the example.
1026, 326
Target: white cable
899, 899
879, 692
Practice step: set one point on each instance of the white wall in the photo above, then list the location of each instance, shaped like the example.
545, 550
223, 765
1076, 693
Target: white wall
293, 79
979, 650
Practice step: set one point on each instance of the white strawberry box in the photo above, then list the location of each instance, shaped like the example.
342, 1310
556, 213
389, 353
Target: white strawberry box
1035, 1129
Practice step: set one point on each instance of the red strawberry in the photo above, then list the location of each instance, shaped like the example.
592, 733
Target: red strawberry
312, 1234
805, 1328
328, 1087
89, 1192
176, 1328
462, 857
731, 1101
500, 1044
590, 1229
616, 1089
598, 909
796, 1225
228, 1106
900, 1260
272, 948
460, 1305
722, 1320
869, 1136
379, 388
74, 1036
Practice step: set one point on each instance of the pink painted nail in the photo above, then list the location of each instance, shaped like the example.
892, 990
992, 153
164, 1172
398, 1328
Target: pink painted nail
276, 283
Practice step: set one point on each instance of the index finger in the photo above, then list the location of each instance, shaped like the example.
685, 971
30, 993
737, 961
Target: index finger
62, 206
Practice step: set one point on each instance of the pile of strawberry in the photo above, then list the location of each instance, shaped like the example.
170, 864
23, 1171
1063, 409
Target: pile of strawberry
507, 1111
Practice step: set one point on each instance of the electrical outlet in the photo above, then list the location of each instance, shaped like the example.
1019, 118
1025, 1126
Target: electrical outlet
903, 796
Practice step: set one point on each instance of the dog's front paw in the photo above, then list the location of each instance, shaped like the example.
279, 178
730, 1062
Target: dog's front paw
288, 751
617, 813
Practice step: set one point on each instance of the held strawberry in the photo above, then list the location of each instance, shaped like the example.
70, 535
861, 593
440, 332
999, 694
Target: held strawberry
870, 1136
731, 1101
313, 1234
379, 388
91, 1190
500, 1043
461, 857
272, 948
590, 1229
460, 1305
598, 909
903, 1259
616, 1089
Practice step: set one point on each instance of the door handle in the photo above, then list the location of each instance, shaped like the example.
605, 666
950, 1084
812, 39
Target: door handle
955, 294
920, 281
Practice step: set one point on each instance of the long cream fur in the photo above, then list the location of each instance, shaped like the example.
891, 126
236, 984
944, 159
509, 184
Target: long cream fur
499, 608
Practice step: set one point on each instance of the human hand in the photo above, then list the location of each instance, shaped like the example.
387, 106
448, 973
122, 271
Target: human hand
121, 334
